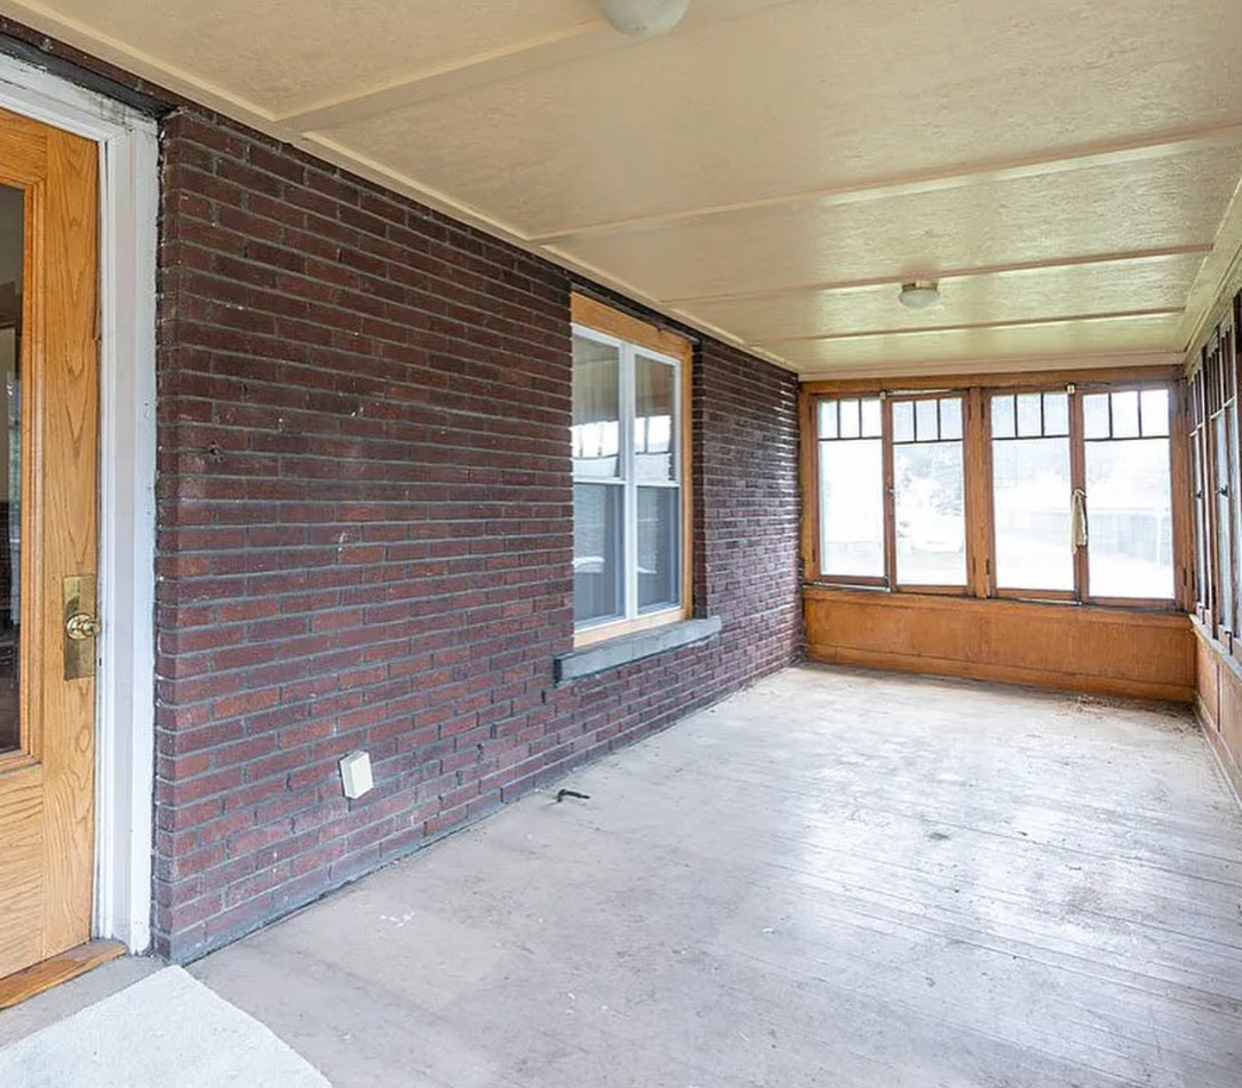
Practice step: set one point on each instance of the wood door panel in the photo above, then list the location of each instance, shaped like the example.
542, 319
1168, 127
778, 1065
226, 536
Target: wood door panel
47, 861
21, 890
68, 415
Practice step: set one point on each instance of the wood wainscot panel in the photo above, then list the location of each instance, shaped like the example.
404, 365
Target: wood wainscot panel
1100, 650
1219, 703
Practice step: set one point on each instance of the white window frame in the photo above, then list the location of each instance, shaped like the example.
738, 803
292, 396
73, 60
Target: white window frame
128, 144
627, 355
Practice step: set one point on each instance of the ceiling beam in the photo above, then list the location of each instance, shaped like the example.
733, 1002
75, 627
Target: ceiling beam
1049, 264
1023, 323
1052, 161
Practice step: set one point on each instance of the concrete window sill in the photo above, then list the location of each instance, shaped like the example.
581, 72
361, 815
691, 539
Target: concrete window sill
629, 648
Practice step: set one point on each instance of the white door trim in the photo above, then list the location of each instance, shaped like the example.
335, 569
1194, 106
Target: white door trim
125, 721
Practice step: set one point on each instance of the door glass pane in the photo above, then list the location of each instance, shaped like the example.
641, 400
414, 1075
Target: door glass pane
1031, 492
903, 421
659, 556
597, 551
851, 508
1130, 518
1095, 415
596, 431
1056, 413
12, 248
930, 512
653, 420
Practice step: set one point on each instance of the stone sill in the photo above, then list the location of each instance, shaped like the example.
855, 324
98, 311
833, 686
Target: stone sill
626, 649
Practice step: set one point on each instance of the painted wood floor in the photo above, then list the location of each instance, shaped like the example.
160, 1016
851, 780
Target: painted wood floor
834, 879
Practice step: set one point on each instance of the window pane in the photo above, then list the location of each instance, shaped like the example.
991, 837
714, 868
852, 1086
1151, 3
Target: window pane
1155, 409
12, 229
903, 421
1125, 415
1201, 564
596, 431
951, 418
1002, 416
1031, 489
1030, 418
1130, 519
1235, 463
926, 426
851, 508
930, 514
1224, 523
598, 590
871, 418
828, 419
1056, 413
1095, 415
653, 420
659, 556
849, 419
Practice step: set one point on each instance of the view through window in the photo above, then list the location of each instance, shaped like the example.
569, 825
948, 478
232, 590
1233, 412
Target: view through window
1073, 493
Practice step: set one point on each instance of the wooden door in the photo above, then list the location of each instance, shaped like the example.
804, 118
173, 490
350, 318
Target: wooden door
48, 470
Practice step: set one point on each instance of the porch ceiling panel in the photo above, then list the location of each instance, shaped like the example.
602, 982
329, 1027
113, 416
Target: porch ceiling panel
1055, 163
1156, 204
1144, 283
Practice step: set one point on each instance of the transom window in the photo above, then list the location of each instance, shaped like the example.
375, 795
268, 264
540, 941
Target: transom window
1054, 493
628, 443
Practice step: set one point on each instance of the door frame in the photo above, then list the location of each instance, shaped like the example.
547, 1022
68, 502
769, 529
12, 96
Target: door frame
125, 680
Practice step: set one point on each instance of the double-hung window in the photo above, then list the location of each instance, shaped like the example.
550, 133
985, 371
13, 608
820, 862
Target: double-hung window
1054, 493
629, 445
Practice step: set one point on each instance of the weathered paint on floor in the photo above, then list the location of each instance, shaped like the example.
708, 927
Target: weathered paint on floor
835, 879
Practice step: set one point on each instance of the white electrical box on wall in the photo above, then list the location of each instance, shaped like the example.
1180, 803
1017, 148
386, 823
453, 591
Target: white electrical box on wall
356, 774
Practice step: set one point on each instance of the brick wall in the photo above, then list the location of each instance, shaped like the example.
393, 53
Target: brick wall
366, 531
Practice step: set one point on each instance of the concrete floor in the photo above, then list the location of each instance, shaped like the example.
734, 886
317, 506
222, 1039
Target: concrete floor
834, 879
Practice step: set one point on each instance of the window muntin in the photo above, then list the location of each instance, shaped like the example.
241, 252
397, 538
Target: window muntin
627, 450
1129, 494
1032, 492
929, 494
851, 488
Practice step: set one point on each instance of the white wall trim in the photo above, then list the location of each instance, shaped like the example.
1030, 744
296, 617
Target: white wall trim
125, 721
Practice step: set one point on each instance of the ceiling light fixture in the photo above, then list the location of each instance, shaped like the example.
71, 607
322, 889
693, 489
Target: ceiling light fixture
919, 294
643, 18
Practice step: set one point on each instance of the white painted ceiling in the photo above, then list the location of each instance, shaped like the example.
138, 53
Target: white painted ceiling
773, 169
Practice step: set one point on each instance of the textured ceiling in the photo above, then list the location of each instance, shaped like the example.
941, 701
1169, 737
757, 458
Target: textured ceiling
773, 169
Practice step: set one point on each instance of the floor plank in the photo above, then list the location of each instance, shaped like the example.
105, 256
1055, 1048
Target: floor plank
835, 878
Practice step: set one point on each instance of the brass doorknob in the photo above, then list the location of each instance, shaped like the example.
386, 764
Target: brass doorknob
82, 625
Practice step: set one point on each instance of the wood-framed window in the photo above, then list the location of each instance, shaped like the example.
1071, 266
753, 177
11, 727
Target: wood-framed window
630, 440
1058, 489
1215, 479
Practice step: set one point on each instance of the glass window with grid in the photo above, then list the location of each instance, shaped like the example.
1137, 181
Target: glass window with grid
627, 444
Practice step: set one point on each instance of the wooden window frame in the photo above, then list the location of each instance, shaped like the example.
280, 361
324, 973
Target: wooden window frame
1212, 391
596, 317
890, 490
976, 391
987, 506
